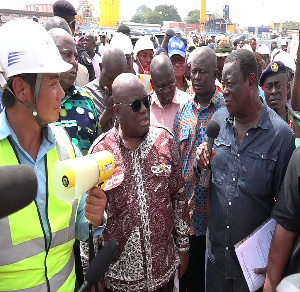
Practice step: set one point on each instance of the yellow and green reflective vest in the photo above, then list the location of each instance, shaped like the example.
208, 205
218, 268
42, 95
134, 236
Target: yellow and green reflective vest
27, 263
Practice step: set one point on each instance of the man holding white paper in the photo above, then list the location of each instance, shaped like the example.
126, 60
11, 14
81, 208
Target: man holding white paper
248, 165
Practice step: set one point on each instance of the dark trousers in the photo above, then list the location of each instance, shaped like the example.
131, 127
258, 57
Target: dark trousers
194, 278
216, 282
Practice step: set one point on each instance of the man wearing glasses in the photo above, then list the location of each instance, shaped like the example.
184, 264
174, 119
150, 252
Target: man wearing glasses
166, 98
177, 54
190, 131
147, 207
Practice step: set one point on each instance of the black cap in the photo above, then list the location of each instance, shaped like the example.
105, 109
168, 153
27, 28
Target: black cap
123, 28
170, 32
274, 68
63, 7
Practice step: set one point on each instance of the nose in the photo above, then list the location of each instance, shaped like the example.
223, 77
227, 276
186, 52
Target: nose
60, 93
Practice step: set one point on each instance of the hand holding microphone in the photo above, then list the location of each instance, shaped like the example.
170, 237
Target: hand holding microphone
205, 153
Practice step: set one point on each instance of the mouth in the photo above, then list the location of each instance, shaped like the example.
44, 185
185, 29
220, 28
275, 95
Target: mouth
197, 86
144, 122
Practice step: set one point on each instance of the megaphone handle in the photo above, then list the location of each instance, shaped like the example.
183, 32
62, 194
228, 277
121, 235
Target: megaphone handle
91, 249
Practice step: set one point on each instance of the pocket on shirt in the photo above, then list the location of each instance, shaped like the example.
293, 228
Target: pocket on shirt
219, 162
258, 173
185, 132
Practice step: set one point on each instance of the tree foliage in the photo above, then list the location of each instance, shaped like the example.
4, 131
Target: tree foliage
153, 17
193, 17
288, 24
168, 12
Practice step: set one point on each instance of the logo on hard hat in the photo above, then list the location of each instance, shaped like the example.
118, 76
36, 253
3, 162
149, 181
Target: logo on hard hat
14, 57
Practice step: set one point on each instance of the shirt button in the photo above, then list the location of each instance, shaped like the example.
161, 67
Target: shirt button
229, 203
233, 178
227, 226
41, 202
238, 155
262, 156
35, 167
247, 134
226, 247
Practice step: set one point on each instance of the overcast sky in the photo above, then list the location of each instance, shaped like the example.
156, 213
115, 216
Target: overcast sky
244, 12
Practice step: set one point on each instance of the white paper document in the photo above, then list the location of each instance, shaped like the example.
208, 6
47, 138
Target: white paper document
252, 252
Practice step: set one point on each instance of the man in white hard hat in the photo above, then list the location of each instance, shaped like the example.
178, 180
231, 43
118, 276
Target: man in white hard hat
264, 51
123, 42
37, 241
143, 55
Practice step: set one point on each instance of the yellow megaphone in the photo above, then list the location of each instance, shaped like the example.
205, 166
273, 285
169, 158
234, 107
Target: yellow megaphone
74, 177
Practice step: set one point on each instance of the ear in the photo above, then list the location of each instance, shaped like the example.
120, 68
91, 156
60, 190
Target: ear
116, 110
288, 86
22, 89
216, 73
251, 79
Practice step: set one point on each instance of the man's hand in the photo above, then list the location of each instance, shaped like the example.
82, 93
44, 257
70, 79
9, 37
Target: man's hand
202, 155
109, 101
184, 261
95, 206
260, 271
298, 50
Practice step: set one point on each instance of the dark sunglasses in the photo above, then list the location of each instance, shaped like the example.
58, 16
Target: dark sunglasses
137, 103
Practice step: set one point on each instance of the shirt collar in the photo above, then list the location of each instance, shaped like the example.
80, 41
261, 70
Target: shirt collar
215, 99
6, 131
175, 100
264, 120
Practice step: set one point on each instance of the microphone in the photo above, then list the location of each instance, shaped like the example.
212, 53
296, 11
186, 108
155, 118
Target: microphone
99, 265
212, 131
18, 188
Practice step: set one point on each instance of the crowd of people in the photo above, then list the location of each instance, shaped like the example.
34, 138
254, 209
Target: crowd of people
149, 105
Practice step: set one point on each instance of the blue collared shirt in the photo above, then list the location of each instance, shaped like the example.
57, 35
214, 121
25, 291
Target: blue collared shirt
245, 179
81, 227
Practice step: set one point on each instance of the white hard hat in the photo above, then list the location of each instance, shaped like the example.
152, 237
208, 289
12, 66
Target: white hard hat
283, 43
123, 42
286, 59
263, 49
143, 43
247, 47
27, 48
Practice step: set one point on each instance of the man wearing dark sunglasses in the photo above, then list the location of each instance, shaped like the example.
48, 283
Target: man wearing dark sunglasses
166, 97
147, 204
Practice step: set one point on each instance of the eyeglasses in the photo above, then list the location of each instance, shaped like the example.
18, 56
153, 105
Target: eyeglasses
137, 103
180, 61
165, 87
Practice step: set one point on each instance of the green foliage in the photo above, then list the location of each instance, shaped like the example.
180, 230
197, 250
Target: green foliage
142, 8
291, 24
193, 17
153, 17
168, 12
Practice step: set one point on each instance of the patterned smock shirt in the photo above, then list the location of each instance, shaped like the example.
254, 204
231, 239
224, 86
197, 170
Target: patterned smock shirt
146, 211
79, 117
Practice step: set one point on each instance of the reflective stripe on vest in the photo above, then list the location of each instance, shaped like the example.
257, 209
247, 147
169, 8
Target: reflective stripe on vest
146, 81
23, 254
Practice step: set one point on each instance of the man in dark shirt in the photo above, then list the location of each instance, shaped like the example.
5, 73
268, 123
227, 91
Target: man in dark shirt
251, 155
286, 213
